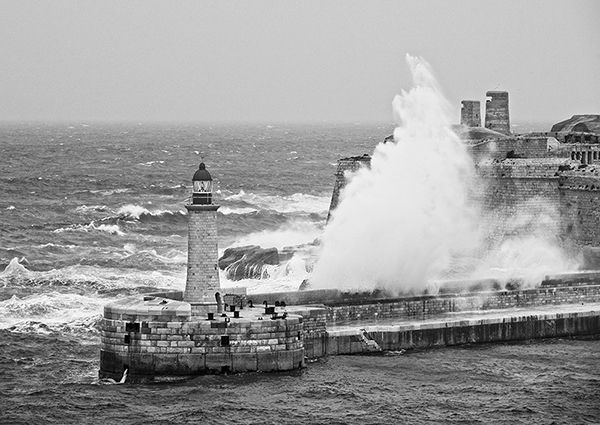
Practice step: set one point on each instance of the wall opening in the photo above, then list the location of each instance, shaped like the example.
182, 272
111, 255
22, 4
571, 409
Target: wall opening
225, 341
132, 327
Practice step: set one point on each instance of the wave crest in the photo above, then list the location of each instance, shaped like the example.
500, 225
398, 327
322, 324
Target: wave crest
295, 203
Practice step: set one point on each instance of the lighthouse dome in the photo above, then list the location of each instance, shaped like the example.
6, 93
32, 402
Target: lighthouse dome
202, 173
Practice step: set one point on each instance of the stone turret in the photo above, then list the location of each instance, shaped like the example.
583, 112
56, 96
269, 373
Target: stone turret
496, 112
470, 113
202, 288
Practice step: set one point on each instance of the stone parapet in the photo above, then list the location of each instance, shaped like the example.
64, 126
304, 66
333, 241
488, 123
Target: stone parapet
424, 307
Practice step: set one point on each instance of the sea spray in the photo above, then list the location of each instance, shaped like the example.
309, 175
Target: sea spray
522, 244
400, 221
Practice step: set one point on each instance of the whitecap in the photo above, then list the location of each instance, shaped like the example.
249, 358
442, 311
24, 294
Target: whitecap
296, 203
240, 211
85, 209
113, 229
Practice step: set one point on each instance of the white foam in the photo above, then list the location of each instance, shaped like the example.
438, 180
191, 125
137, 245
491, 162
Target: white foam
240, 211
85, 209
53, 309
136, 211
290, 234
150, 163
113, 229
16, 274
296, 203
400, 220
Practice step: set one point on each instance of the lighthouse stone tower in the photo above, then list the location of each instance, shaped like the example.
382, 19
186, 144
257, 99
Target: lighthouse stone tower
202, 289
175, 334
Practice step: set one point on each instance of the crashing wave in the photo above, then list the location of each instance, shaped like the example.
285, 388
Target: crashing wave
112, 276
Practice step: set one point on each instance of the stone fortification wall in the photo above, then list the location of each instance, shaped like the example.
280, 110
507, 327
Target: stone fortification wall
567, 136
496, 112
345, 166
470, 113
516, 194
580, 206
513, 147
519, 196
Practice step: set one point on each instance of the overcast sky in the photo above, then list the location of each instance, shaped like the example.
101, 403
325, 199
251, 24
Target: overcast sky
274, 61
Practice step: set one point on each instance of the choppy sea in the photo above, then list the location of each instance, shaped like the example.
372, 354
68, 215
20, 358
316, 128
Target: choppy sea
92, 212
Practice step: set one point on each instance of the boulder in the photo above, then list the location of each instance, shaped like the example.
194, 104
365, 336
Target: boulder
247, 262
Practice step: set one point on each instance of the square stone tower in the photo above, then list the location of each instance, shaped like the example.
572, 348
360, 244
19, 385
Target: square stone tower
496, 112
470, 113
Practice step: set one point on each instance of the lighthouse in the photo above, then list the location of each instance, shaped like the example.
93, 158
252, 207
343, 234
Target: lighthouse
202, 287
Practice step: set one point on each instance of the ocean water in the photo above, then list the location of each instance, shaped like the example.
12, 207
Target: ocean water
93, 212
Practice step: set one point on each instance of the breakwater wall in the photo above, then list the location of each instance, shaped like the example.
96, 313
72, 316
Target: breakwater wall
509, 326
340, 307
333, 322
350, 323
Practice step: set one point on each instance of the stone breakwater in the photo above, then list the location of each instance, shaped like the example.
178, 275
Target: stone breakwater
465, 328
156, 335
345, 323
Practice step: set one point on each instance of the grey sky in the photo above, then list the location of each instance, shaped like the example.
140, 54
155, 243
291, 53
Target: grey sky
280, 60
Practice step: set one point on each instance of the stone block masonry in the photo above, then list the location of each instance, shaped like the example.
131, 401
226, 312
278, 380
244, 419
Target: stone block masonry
470, 329
497, 112
470, 113
425, 307
203, 272
154, 337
